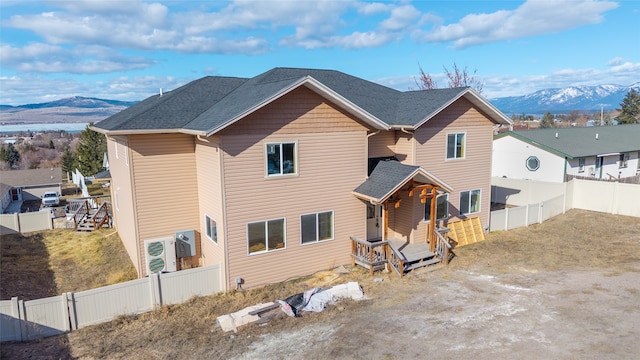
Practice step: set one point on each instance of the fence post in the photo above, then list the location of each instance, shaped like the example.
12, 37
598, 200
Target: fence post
71, 306
22, 316
15, 311
154, 287
65, 312
506, 219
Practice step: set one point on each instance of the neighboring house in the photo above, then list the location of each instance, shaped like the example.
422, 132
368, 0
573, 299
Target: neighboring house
602, 152
271, 174
24, 185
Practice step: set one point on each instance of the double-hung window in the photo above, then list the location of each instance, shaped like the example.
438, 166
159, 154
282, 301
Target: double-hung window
211, 229
281, 158
442, 207
581, 165
316, 227
456, 145
470, 202
266, 236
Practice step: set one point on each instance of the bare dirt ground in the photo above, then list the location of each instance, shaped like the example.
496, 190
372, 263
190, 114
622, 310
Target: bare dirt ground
565, 289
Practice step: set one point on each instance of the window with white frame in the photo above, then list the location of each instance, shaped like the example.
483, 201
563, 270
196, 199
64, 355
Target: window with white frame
264, 236
211, 229
581, 163
456, 145
442, 207
126, 154
470, 202
115, 145
281, 158
316, 227
624, 160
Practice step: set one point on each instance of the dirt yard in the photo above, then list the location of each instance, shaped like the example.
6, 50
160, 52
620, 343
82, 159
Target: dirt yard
565, 289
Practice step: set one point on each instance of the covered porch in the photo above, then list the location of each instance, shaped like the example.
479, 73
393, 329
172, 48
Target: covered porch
404, 240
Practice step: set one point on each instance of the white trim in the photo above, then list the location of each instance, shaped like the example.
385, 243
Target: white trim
266, 229
464, 146
206, 229
447, 216
479, 202
317, 241
295, 158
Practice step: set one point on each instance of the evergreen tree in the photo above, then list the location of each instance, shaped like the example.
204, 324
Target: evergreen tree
90, 152
630, 108
547, 121
67, 160
10, 155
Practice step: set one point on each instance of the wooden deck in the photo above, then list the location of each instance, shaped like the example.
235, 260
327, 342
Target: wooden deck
396, 254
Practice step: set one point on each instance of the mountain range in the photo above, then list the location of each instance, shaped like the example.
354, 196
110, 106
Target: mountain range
564, 100
556, 101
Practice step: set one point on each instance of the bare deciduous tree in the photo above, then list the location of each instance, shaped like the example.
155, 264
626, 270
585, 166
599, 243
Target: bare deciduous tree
457, 77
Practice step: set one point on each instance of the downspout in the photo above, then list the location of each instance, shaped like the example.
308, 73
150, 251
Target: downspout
225, 220
564, 172
413, 145
132, 181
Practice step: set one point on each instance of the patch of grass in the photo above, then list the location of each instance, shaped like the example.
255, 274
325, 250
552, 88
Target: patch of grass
48, 263
578, 239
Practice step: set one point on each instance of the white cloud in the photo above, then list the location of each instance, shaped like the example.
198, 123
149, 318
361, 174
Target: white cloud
84, 59
19, 90
502, 85
534, 17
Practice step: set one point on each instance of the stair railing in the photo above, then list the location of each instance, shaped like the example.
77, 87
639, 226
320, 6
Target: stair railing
443, 248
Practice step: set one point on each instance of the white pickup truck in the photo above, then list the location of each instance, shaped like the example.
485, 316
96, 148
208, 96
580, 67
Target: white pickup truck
50, 198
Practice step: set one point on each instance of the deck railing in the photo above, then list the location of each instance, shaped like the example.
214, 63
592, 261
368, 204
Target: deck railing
372, 255
443, 248
396, 260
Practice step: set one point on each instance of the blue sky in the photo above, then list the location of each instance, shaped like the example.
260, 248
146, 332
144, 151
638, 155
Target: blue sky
128, 50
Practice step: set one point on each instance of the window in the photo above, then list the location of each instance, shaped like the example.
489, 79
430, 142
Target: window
470, 202
281, 159
442, 207
624, 160
533, 163
455, 146
580, 165
265, 236
115, 145
211, 229
316, 227
126, 154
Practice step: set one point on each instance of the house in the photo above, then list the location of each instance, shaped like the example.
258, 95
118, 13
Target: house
24, 185
601, 152
270, 175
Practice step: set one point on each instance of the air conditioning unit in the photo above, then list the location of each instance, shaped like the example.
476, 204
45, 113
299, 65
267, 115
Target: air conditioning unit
160, 255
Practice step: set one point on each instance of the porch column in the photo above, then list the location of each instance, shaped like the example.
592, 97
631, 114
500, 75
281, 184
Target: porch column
432, 219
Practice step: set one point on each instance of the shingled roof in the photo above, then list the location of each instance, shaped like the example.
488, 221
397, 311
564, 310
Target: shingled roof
209, 104
582, 142
391, 175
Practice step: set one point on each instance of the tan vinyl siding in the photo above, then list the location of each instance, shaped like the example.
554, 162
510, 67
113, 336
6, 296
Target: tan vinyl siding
472, 172
312, 114
382, 144
164, 170
330, 165
405, 149
122, 198
210, 197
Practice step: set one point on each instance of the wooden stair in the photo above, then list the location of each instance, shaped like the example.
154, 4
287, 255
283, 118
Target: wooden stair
415, 255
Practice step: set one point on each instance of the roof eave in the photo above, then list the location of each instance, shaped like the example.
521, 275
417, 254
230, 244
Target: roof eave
433, 179
495, 115
146, 131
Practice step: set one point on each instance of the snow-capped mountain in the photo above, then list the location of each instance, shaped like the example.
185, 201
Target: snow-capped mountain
584, 98
75, 102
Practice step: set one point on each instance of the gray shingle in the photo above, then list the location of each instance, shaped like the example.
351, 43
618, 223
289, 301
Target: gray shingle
581, 141
384, 178
211, 103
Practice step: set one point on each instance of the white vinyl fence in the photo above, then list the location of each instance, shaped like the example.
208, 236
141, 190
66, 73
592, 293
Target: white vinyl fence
33, 319
25, 222
609, 197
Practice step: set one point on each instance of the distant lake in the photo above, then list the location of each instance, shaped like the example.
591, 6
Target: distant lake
68, 127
